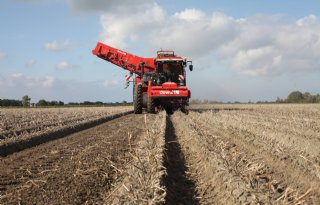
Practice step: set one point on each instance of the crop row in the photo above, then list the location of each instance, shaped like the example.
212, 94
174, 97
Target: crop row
16, 124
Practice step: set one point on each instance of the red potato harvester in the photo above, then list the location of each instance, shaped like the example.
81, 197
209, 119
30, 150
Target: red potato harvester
159, 83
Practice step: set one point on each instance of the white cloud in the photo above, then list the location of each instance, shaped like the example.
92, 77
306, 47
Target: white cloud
60, 45
3, 55
253, 45
265, 47
117, 30
18, 80
194, 39
308, 20
64, 65
190, 15
110, 83
256, 61
31, 63
190, 32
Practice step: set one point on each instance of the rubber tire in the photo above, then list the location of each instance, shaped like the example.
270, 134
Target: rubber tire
184, 110
151, 107
169, 111
137, 104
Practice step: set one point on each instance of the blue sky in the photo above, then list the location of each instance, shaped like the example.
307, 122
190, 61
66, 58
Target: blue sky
242, 50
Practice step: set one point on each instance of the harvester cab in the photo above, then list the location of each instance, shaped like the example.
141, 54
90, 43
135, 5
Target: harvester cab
171, 67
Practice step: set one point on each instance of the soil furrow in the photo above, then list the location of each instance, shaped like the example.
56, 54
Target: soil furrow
211, 168
180, 189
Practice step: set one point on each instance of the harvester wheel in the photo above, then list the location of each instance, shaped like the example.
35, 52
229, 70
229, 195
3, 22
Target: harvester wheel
184, 110
151, 107
169, 110
137, 104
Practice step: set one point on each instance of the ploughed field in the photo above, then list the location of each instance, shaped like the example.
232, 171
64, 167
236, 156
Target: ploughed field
218, 154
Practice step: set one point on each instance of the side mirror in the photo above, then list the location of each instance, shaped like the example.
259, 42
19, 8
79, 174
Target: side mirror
191, 67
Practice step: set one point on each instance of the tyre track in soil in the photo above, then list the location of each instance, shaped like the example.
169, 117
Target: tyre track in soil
76, 169
179, 187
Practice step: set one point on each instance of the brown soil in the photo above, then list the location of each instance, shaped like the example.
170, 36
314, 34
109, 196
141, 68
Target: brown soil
22, 142
180, 188
246, 155
77, 169
230, 165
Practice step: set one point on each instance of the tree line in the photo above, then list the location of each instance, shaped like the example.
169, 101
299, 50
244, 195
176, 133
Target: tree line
293, 97
26, 102
299, 97
8, 103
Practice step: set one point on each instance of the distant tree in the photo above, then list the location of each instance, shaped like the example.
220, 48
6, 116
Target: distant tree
264, 102
60, 103
87, 103
53, 103
42, 102
295, 97
73, 103
8, 102
26, 101
215, 102
195, 101
307, 97
279, 100
317, 97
